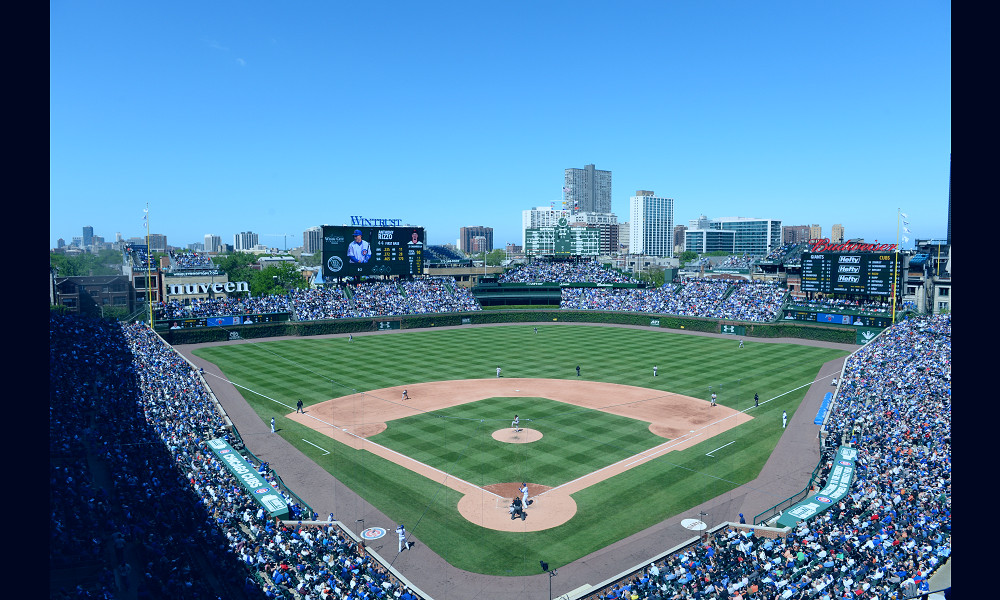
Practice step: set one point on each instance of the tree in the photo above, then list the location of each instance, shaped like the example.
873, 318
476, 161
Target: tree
86, 264
687, 256
275, 280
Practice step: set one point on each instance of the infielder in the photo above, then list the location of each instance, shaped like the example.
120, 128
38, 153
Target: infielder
524, 494
405, 396
498, 371
401, 531
713, 398
515, 424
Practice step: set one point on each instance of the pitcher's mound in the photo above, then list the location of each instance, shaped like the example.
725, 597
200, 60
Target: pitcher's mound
520, 437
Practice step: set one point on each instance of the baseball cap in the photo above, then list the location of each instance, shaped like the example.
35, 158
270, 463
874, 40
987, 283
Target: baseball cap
357, 232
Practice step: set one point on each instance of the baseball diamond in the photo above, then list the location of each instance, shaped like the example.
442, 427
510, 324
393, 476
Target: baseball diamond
681, 421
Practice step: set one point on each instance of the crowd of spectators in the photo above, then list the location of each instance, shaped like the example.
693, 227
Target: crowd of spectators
191, 260
365, 299
222, 306
758, 301
871, 306
735, 262
563, 272
167, 511
713, 298
882, 541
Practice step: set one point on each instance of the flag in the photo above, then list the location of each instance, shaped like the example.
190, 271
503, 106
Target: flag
904, 215
907, 230
906, 239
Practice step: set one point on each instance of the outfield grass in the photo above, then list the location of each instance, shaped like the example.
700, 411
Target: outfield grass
317, 369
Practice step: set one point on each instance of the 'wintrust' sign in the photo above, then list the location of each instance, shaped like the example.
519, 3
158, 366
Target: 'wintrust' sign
186, 289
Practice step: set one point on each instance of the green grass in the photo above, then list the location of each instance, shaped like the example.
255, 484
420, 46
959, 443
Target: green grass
457, 440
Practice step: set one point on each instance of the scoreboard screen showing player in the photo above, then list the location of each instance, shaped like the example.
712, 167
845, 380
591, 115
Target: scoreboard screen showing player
864, 273
356, 251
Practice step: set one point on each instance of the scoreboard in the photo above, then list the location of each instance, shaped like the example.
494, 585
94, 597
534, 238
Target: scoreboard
356, 251
864, 273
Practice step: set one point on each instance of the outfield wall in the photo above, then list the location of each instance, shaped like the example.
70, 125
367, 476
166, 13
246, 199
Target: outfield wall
841, 334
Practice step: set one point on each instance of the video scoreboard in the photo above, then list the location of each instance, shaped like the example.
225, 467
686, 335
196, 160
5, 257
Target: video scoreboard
865, 273
355, 251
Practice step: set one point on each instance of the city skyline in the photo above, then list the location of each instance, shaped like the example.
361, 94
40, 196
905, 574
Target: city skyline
275, 121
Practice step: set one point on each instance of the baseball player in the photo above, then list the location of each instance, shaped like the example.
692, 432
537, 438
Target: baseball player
515, 424
741, 344
401, 532
756, 400
654, 370
524, 494
405, 395
713, 398
536, 330
577, 370
784, 419
498, 371
298, 407
272, 424
350, 337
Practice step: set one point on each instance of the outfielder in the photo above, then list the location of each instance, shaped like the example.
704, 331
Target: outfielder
741, 344
654, 370
498, 371
515, 424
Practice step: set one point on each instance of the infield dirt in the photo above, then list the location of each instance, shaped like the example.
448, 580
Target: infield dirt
682, 420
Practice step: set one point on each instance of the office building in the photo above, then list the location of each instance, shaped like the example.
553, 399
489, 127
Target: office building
815, 232
753, 237
245, 241
587, 190
542, 216
157, 242
795, 234
312, 240
467, 239
88, 236
213, 243
679, 238
709, 240
651, 220
837, 233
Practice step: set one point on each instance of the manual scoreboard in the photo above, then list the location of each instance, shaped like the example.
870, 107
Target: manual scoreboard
354, 251
863, 273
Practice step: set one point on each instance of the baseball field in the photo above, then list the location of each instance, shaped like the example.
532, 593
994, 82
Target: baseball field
606, 453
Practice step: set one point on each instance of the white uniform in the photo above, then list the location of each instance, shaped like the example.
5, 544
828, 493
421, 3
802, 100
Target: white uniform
401, 531
741, 343
498, 371
654, 371
515, 423
713, 398
524, 495
272, 424
784, 419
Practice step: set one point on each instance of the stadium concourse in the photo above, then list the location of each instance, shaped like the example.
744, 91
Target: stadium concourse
139, 508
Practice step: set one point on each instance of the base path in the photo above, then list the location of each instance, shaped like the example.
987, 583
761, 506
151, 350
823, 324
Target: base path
682, 420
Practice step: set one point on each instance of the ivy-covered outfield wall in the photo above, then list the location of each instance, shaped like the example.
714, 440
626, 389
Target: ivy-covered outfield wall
781, 329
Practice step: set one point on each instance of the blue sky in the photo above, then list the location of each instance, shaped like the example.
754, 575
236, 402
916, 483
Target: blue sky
267, 117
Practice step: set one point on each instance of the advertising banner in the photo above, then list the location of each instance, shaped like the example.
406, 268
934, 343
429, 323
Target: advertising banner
254, 483
837, 486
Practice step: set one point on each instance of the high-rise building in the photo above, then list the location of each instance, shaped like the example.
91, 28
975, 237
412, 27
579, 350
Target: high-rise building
312, 240
795, 234
157, 242
815, 232
837, 233
587, 190
651, 226
213, 243
88, 236
679, 238
606, 225
754, 237
245, 241
466, 236
542, 216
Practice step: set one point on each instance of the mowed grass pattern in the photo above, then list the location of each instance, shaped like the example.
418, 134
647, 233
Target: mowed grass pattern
576, 441
278, 373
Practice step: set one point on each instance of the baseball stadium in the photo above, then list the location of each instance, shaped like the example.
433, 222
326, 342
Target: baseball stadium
404, 437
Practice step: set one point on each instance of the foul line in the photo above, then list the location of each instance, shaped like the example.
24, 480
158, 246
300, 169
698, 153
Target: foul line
721, 447
315, 446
